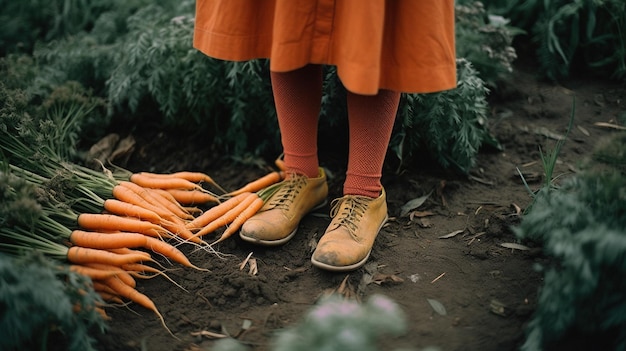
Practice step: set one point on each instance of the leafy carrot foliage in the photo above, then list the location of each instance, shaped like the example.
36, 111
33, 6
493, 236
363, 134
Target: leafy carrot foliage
38, 302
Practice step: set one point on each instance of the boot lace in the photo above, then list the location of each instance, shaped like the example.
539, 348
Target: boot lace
350, 214
285, 195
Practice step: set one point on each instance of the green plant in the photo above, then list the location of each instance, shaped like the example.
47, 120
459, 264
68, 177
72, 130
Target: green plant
40, 301
451, 125
486, 41
548, 162
572, 33
337, 324
581, 227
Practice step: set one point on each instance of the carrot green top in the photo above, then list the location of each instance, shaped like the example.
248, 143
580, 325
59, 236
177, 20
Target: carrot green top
401, 45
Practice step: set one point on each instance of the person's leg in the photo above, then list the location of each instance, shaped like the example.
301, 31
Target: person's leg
371, 120
297, 95
360, 214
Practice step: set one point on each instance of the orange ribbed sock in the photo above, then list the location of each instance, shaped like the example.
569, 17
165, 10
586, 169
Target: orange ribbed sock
371, 120
297, 95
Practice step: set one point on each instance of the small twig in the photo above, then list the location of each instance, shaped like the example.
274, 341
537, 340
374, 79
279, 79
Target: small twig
439, 277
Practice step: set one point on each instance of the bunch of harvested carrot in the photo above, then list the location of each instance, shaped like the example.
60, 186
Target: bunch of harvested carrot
238, 207
110, 249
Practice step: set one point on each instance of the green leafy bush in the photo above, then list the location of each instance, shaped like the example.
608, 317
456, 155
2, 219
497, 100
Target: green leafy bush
486, 40
139, 57
40, 301
337, 324
589, 34
582, 228
451, 125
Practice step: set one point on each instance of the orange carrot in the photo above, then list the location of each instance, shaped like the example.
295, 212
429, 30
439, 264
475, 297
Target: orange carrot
229, 216
117, 240
243, 216
191, 197
83, 255
129, 251
110, 297
173, 206
139, 270
101, 221
195, 177
138, 195
99, 287
163, 183
132, 294
178, 229
93, 273
119, 272
260, 183
128, 209
171, 252
216, 211
280, 163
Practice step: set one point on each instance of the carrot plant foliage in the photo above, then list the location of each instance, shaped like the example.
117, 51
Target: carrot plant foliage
572, 35
41, 302
138, 57
582, 229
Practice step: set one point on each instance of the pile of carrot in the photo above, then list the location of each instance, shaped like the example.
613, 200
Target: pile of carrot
109, 228
237, 206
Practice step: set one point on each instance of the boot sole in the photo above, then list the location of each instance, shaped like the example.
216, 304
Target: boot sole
351, 267
285, 239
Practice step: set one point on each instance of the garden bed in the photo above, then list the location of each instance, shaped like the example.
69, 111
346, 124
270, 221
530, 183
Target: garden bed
453, 249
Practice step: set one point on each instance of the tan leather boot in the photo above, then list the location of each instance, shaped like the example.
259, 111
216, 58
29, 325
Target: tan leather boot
348, 241
277, 221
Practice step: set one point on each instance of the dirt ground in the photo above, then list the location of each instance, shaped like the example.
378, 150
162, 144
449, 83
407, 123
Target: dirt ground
489, 291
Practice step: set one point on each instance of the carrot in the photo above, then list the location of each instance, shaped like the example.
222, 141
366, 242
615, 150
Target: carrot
243, 216
126, 208
171, 252
163, 183
100, 288
216, 211
195, 177
138, 195
229, 216
139, 270
181, 231
100, 221
117, 240
129, 251
260, 183
280, 163
119, 272
110, 297
192, 197
173, 206
83, 255
93, 273
132, 294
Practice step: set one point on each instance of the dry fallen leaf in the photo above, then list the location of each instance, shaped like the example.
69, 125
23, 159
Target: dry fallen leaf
437, 306
101, 150
209, 334
515, 246
413, 204
123, 150
453, 234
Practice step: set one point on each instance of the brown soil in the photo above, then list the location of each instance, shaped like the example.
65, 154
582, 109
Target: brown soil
469, 273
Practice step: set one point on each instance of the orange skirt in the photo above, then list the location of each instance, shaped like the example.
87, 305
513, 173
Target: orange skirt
400, 45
